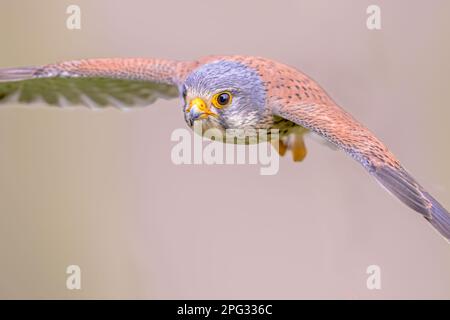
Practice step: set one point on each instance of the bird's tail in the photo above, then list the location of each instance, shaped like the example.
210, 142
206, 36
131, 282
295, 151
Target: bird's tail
400, 183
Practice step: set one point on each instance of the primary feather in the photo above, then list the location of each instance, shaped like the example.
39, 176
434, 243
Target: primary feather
119, 82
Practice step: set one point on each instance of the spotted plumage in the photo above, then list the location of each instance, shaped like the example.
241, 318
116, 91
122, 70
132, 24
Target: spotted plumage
255, 93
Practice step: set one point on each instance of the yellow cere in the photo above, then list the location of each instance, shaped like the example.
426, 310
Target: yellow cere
200, 106
198, 103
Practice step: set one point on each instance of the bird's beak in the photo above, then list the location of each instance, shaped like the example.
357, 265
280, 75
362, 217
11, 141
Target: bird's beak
199, 110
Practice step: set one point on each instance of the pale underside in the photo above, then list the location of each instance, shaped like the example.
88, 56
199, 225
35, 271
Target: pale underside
91, 92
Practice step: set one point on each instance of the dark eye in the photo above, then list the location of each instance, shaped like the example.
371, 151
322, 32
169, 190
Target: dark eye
222, 99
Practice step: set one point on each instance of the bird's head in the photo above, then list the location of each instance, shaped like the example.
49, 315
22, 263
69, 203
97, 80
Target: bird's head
224, 95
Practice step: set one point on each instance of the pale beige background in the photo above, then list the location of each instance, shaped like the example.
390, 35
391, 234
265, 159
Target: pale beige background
98, 189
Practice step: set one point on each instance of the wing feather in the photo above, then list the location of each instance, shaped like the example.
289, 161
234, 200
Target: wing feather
94, 82
340, 128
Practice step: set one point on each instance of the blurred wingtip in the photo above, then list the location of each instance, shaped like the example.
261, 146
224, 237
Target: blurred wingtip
440, 217
17, 74
401, 184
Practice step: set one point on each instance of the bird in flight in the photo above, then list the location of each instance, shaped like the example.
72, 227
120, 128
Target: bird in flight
225, 92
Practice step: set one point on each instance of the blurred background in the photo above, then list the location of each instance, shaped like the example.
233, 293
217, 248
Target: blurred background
99, 190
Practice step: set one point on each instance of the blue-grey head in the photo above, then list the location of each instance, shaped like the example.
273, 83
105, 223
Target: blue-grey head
224, 95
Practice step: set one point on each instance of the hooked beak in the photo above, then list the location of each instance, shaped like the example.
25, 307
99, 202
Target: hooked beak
198, 110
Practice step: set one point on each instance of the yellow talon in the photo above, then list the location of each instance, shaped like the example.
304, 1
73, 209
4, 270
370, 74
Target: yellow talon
298, 148
281, 147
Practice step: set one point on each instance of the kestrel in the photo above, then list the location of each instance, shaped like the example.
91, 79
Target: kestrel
225, 92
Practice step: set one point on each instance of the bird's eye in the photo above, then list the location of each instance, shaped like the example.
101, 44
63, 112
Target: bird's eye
221, 99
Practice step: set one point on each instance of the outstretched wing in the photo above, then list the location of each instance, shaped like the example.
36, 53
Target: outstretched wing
307, 105
95, 83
